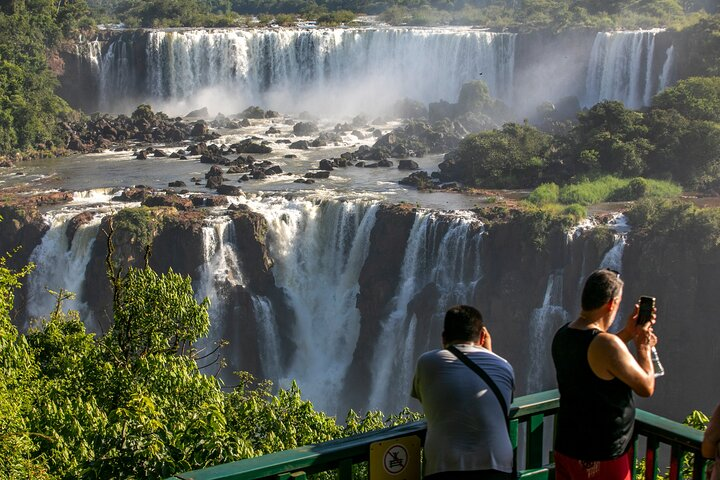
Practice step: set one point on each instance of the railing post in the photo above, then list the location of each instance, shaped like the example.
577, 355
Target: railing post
534, 441
676, 456
345, 470
513, 431
699, 466
651, 458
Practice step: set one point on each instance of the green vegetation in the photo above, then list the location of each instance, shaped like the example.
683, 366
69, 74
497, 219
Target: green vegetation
134, 403
697, 420
29, 108
603, 189
508, 158
677, 140
526, 15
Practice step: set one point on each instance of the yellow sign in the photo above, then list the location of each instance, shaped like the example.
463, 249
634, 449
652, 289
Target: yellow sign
397, 459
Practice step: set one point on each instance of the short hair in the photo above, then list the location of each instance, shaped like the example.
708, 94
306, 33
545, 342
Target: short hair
600, 287
462, 323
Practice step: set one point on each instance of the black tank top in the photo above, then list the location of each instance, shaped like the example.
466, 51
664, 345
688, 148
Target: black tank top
596, 416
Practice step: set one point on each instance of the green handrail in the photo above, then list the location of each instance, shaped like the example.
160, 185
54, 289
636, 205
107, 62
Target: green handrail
340, 455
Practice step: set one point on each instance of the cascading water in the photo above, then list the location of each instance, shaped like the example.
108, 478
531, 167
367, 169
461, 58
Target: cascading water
449, 261
622, 67
318, 70
318, 249
60, 264
544, 322
268, 336
219, 274
613, 258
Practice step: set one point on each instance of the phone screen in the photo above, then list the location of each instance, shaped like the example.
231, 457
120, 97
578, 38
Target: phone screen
646, 309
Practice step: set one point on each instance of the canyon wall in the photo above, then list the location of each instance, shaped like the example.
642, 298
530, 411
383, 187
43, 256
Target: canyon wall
343, 296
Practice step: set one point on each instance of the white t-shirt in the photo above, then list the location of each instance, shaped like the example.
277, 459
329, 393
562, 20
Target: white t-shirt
466, 427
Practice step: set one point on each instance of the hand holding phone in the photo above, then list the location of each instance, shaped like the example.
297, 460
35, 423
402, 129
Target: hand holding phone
647, 306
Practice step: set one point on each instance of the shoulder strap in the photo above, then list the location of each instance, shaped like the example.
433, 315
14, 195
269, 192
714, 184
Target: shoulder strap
489, 381
493, 386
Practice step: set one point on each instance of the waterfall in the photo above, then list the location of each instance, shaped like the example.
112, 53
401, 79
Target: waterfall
117, 77
613, 257
450, 261
318, 70
666, 76
268, 336
60, 265
544, 322
318, 248
622, 67
220, 272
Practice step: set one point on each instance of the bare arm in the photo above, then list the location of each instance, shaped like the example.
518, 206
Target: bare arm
712, 435
609, 358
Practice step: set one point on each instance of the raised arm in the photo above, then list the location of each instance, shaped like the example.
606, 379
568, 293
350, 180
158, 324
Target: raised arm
610, 358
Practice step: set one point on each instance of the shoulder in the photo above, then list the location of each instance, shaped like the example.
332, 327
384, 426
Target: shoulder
607, 343
433, 356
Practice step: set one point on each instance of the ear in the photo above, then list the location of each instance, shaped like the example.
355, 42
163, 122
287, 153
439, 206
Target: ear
614, 302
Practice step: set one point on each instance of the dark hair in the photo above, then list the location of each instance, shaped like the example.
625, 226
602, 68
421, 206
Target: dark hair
600, 287
462, 323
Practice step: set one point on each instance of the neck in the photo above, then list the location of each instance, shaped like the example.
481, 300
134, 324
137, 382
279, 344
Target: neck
588, 320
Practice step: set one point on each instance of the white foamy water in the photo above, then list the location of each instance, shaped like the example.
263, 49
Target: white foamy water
318, 248
448, 259
621, 67
60, 265
544, 322
320, 70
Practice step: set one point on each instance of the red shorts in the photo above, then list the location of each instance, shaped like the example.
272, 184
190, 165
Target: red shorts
568, 468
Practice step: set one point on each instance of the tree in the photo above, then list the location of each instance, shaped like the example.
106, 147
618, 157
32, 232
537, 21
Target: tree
696, 98
616, 135
18, 372
512, 157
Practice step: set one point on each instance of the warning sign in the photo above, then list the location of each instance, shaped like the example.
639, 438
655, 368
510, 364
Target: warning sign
397, 459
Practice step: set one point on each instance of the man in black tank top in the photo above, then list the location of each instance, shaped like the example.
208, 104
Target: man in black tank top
596, 375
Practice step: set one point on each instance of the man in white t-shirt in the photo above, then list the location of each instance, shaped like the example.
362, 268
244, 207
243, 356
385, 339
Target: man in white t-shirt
467, 434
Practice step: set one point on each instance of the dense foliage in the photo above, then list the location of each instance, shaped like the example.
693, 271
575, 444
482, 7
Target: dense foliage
134, 403
527, 14
678, 139
29, 108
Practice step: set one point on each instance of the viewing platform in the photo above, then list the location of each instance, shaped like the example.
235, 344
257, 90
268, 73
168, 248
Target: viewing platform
532, 419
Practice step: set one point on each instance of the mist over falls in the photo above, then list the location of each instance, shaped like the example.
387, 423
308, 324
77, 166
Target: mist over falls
342, 295
336, 72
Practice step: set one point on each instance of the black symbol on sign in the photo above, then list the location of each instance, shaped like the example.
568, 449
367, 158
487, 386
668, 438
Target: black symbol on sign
395, 459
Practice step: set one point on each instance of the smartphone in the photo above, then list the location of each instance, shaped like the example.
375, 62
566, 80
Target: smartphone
647, 304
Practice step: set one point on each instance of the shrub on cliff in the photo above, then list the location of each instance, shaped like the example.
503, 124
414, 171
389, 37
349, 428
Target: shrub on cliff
512, 157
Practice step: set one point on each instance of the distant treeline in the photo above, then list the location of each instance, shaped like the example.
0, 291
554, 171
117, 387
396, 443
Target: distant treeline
556, 14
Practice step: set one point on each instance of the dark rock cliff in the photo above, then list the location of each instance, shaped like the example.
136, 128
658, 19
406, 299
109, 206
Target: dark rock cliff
378, 283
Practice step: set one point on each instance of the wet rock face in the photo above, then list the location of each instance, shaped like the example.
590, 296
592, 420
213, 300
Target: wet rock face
378, 283
250, 239
75, 223
177, 244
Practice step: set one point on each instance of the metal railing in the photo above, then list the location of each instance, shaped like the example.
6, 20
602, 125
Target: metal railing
527, 425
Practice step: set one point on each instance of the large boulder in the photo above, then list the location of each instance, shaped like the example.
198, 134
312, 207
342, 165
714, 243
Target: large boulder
408, 165
304, 129
318, 174
249, 146
327, 164
229, 190
199, 113
199, 129
170, 200
300, 145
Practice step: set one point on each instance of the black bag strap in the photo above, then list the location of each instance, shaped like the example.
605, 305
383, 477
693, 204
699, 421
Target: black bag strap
493, 386
489, 381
